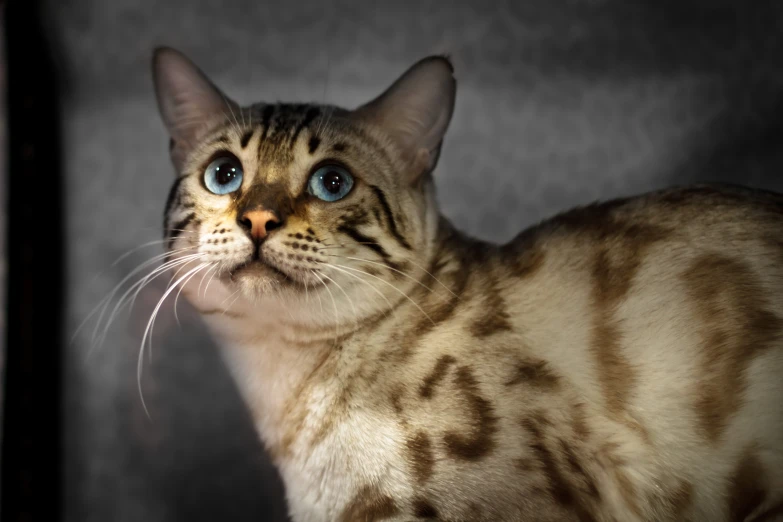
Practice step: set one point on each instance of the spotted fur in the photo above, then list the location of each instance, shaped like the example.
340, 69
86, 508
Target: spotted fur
619, 362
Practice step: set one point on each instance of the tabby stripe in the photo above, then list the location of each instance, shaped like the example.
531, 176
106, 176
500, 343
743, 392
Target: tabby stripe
390, 217
246, 137
312, 113
223, 139
170, 200
177, 229
312, 145
266, 120
368, 242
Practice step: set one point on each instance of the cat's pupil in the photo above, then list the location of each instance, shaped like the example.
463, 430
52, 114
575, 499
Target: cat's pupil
332, 182
225, 173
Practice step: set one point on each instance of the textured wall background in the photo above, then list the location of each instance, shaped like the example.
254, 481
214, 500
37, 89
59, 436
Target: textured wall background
560, 102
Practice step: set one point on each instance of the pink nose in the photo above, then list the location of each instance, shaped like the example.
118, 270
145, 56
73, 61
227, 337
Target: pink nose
259, 223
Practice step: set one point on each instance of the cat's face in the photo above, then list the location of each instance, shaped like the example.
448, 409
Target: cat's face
278, 201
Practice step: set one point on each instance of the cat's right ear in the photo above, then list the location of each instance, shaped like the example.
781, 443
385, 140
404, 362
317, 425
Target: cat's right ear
189, 103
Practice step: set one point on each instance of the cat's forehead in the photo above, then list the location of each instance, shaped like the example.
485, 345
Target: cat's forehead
282, 124
279, 142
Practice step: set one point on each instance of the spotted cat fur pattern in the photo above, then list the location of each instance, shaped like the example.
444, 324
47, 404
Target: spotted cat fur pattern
619, 362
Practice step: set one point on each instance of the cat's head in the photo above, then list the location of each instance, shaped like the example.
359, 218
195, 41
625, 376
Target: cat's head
285, 200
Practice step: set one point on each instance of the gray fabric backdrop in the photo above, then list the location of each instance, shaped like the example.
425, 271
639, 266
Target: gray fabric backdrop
560, 102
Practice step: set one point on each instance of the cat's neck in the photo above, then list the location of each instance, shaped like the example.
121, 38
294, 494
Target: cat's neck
274, 357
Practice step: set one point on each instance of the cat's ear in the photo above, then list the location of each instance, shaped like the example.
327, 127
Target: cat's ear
188, 102
415, 112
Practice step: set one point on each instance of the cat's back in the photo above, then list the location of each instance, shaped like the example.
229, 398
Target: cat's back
675, 240
689, 219
665, 313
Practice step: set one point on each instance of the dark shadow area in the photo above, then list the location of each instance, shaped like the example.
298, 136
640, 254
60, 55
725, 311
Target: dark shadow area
199, 449
31, 452
730, 43
745, 152
636, 39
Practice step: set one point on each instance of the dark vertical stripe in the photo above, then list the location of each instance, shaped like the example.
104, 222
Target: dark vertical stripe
312, 145
173, 192
176, 230
32, 378
246, 137
312, 113
266, 120
390, 217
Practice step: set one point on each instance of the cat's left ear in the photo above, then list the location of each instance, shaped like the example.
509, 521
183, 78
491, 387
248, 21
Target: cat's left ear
188, 101
415, 113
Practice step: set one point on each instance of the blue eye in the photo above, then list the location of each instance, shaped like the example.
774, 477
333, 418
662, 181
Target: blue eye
330, 183
224, 175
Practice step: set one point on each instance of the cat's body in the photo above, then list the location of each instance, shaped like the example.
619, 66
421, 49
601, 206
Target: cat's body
621, 362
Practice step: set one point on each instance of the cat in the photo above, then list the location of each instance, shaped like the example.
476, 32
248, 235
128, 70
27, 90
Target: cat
621, 361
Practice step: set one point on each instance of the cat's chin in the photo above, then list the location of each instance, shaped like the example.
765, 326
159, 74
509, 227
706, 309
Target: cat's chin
257, 279
257, 271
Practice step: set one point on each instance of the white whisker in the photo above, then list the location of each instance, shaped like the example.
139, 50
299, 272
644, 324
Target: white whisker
231, 109
108, 296
355, 312
320, 303
189, 260
148, 331
409, 260
229, 297
334, 304
213, 267
176, 298
365, 282
104, 303
136, 249
386, 266
206, 288
232, 303
393, 287
139, 285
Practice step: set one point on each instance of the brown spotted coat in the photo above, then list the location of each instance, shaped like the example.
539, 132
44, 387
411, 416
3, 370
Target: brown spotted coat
619, 362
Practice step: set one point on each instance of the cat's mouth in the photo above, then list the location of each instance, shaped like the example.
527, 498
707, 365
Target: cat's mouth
257, 267
264, 269
269, 267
